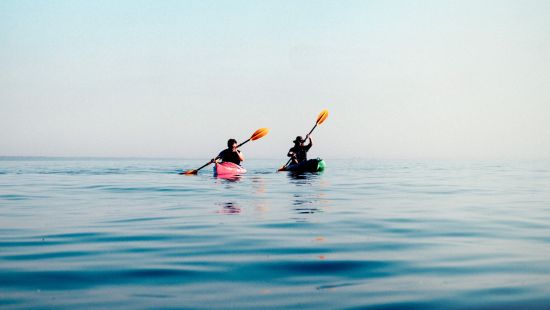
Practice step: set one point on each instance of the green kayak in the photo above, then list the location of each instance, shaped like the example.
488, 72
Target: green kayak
312, 165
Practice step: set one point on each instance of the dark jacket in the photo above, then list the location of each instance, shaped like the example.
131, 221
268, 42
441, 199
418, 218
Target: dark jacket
230, 156
300, 152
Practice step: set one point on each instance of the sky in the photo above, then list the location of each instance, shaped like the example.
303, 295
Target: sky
401, 79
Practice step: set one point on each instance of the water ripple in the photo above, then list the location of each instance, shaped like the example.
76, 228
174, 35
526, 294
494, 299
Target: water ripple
361, 235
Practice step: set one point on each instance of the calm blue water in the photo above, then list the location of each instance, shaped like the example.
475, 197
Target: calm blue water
363, 234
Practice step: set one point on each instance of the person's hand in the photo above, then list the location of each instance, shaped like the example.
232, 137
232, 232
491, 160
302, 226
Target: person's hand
212, 160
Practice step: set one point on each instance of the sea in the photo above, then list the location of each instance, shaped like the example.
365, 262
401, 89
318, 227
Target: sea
126, 233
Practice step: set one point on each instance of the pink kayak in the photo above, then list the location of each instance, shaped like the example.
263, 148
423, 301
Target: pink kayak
227, 168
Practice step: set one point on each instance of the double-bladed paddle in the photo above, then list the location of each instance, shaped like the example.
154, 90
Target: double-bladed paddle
260, 133
320, 119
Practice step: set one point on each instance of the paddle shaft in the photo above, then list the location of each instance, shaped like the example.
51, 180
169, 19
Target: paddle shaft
312, 129
208, 163
288, 162
238, 146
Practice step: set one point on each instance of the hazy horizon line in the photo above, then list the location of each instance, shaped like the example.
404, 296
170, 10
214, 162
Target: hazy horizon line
84, 157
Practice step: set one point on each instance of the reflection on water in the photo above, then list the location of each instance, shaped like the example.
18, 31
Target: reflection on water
258, 184
254, 191
305, 205
307, 194
228, 177
229, 208
304, 175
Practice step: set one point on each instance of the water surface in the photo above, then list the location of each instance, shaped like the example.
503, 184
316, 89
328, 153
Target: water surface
132, 233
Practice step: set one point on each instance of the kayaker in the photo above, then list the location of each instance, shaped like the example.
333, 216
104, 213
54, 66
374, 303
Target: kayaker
298, 153
230, 154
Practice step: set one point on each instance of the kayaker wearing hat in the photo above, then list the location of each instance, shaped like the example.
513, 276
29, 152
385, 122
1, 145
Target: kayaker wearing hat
298, 153
230, 154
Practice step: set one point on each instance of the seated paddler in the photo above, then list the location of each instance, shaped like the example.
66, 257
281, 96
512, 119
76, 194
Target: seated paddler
298, 153
231, 154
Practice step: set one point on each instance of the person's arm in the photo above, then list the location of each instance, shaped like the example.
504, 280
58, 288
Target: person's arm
310, 144
291, 153
241, 156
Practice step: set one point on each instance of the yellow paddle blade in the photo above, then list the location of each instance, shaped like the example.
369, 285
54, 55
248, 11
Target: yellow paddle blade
259, 133
322, 117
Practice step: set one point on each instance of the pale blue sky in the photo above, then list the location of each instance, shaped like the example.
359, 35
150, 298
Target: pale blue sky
401, 79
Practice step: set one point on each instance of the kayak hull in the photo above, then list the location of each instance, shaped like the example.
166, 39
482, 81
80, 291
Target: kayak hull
312, 165
227, 168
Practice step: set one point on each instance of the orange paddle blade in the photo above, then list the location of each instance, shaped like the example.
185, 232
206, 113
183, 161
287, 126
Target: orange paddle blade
259, 133
322, 117
190, 172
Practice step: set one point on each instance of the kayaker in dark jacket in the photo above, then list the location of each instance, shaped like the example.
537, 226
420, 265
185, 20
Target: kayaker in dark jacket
230, 154
298, 153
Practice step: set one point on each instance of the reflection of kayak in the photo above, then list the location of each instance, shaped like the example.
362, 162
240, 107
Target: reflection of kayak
312, 165
228, 168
